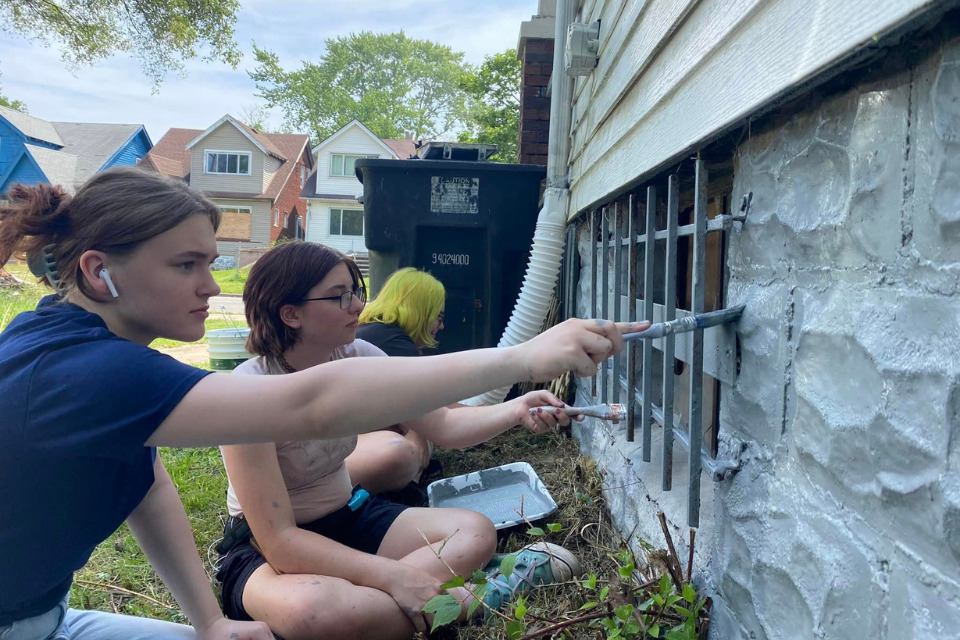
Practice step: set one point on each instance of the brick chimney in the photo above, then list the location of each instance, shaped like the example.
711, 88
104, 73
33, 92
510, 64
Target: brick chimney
535, 51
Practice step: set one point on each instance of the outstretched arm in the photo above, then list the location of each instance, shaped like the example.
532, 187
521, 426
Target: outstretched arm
357, 395
461, 426
163, 531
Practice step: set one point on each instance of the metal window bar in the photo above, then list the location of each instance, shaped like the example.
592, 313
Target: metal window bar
670, 341
593, 284
632, 346
617, 290
696, 366
691, 439
605, 298
649, 252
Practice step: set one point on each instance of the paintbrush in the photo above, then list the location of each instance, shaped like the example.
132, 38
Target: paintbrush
612, 412
690, 323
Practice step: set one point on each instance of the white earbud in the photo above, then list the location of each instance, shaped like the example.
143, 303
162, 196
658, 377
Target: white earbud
105, 276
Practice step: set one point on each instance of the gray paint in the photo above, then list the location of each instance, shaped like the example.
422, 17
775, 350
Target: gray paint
844, 521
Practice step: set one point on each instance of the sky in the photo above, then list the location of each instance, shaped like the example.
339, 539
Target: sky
116, 91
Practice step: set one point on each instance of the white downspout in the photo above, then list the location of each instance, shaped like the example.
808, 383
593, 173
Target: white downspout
549, 236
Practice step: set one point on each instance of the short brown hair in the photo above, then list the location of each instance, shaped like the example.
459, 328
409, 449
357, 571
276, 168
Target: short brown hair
113, 212
284, 275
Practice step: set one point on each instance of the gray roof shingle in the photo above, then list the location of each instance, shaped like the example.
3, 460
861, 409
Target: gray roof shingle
32, 127
92, 144
59, 167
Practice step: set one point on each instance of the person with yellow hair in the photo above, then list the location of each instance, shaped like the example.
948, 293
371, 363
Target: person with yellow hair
404, 318
407, 314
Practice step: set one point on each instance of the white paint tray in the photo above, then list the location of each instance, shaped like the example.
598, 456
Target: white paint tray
496, 493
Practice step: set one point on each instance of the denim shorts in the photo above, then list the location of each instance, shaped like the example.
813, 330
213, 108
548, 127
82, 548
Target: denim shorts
363, 530
63, 623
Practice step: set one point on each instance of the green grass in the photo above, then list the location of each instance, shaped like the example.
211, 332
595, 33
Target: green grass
119, 561
212, 323
231, 280
14, 300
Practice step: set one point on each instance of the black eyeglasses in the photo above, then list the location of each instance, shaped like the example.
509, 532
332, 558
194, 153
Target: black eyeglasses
345, 298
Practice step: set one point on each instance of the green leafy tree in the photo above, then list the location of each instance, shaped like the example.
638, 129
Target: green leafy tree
161, 34
389, 82
492, 111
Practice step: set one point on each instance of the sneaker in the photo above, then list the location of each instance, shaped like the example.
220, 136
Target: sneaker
537, 564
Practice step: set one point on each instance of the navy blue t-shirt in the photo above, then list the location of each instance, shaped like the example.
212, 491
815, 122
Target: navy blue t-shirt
77, 404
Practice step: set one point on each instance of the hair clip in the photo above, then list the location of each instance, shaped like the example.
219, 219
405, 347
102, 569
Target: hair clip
42, 264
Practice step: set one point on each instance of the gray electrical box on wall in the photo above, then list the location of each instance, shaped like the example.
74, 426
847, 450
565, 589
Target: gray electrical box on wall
583, 44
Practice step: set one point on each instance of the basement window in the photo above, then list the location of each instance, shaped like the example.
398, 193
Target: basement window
657, 253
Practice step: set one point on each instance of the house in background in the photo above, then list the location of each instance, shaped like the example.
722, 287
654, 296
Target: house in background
334, 217
807, 155
255, 178
34, 151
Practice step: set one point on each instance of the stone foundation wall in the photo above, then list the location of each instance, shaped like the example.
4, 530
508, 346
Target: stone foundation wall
844, 521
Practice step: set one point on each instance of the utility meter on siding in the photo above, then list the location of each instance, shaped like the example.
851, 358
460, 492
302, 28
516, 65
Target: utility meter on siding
583, 43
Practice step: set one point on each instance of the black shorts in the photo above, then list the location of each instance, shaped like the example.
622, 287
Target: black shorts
363, 530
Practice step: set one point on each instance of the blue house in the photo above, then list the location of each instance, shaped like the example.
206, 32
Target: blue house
64, 153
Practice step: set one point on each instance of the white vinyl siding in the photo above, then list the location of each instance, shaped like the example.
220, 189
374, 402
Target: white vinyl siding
673, 73
235, 163
318, 228
356, 142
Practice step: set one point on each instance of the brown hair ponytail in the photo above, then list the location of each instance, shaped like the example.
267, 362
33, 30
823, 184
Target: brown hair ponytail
114, 212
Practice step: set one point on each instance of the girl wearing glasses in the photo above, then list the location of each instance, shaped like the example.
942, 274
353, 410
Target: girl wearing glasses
328, 544
84, 402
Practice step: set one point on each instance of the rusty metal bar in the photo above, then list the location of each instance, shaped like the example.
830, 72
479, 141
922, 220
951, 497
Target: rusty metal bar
649, 251
670, 341
617, 291
695, 425
632, 317
605, 297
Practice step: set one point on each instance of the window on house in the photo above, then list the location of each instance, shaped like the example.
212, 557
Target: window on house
346, 222
303, 175
658, 253
341, 164
230, 162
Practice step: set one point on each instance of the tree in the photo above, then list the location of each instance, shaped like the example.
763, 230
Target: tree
255, 116
389, 82
492, 111
161, 34
16, 105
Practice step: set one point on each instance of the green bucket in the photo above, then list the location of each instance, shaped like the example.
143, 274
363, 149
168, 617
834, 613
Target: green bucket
226, 348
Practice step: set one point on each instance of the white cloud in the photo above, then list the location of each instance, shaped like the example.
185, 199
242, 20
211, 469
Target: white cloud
116, 91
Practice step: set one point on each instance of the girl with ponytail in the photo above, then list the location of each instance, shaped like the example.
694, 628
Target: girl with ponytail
84, 401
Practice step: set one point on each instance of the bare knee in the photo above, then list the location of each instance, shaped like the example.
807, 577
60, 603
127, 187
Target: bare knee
309, 616
478, 541
403, 455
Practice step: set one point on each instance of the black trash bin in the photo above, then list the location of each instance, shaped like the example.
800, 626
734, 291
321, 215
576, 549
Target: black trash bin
470, 224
